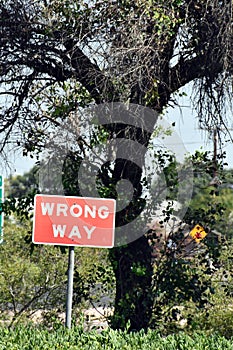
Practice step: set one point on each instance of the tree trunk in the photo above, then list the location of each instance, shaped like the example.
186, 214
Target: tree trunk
133, 271
132, 261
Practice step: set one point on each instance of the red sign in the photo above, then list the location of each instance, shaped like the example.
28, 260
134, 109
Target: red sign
74, 221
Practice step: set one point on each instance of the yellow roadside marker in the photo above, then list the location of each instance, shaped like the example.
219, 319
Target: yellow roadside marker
198, 233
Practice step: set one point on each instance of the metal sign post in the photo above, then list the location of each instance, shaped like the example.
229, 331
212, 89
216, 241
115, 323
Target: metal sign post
69, 295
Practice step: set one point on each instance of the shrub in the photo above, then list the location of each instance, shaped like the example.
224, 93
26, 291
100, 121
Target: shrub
31, 338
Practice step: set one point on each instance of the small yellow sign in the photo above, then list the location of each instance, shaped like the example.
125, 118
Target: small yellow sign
198, 233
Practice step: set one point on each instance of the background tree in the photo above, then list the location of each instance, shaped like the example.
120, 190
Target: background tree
20, 186
59, 55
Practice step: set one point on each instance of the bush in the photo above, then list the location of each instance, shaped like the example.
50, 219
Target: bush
219, 315
30, 279
34, 277
31, 338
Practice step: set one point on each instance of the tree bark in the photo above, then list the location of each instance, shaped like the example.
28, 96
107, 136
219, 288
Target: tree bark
133, 272
132, 262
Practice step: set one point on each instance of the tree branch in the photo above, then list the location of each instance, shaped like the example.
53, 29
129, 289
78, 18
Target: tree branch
90, 76
186, 71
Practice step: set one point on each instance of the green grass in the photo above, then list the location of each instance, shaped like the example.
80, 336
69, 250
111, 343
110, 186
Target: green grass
32, 338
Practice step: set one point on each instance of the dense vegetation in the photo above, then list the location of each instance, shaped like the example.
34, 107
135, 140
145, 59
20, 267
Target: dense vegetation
29, 338
192, 282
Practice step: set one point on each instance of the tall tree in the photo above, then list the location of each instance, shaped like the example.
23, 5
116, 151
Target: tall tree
59, 55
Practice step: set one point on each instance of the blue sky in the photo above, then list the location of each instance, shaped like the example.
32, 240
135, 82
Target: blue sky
186, 126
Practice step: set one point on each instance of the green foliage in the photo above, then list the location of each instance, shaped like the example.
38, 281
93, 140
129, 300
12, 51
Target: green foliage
30, 279
62, 99
219, 314
190, 277
22, 185
212, 201
219, 318
182, 287
94, 274
33, 277
30, 338
19, 194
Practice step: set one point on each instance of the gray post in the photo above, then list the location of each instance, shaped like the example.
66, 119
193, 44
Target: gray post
69, 295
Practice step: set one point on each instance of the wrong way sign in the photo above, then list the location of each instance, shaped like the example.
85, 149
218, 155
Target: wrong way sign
74, 221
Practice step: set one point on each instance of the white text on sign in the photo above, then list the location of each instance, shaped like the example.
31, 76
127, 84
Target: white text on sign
60, 231
75, 210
